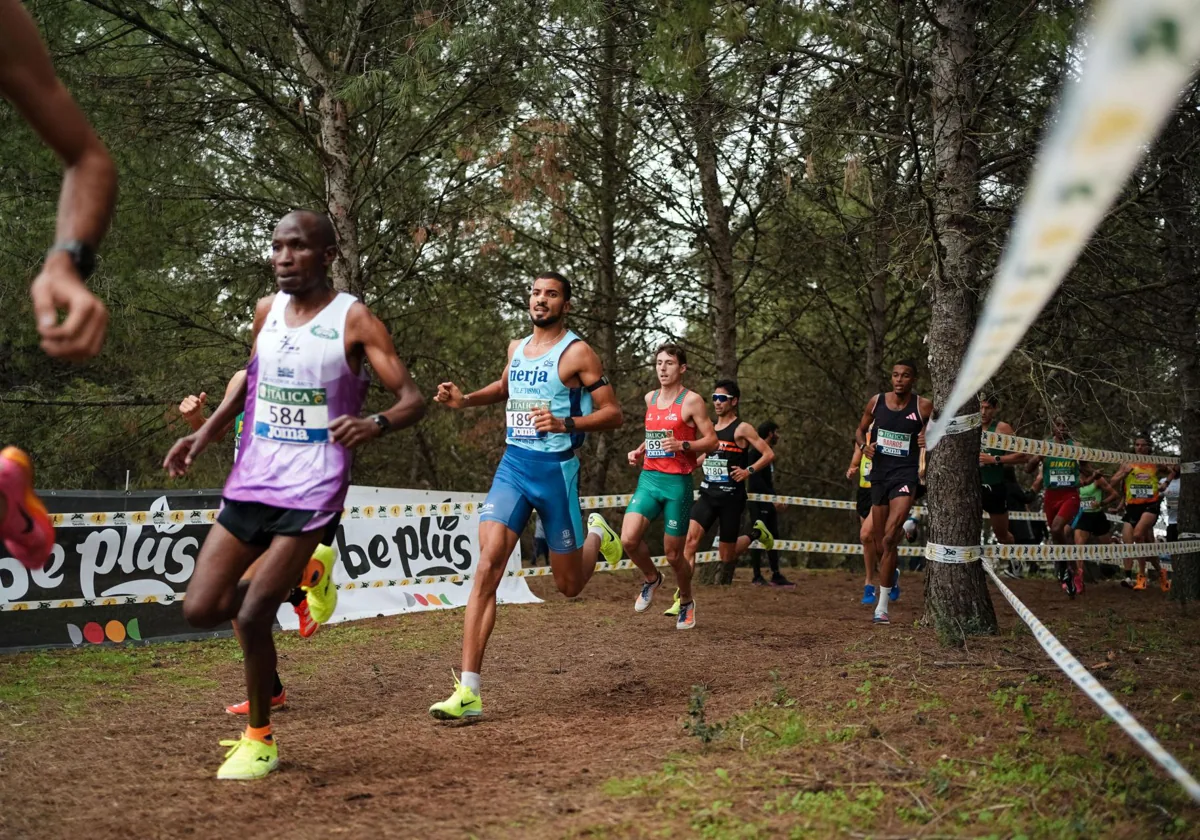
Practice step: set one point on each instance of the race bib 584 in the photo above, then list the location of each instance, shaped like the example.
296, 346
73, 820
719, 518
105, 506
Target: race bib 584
291, 415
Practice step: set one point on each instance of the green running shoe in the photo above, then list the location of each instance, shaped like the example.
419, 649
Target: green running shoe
318, 587
674, 608
610, 540
764, 536
248, 759
463, 703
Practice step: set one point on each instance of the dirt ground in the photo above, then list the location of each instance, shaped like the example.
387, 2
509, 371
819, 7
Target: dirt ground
813, 723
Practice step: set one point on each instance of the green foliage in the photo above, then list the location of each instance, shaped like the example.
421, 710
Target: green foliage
490, 140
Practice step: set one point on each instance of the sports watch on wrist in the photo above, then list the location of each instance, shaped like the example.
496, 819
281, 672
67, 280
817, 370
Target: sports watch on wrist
569, 424
687, 446
750, 469
83, 255
384, 424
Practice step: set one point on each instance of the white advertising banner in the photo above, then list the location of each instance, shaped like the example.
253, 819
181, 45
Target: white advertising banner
389, 536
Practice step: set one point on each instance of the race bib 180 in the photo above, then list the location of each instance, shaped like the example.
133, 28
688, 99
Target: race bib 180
291, 415
518, 417
896, 444
654, 443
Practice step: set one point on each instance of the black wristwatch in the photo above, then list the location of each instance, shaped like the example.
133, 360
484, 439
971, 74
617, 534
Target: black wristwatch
384, 424
569, 424
82, 255
687, 445
750, 469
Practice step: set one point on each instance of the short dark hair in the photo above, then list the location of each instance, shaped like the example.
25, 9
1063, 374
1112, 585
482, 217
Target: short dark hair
672, 349
908, 363
730, 387
1144, 436
767, 428
990, 399
322, 226
554, 275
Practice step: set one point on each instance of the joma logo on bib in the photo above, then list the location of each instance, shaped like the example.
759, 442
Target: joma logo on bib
528, 376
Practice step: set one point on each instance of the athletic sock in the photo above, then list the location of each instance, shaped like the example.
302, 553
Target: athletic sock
278, 687
773, 559
296, 598
262, 733
756, 562
881, 605
597, 530
471, 680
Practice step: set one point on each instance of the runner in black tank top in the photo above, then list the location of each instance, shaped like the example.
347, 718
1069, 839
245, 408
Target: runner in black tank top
899, 417
723, 490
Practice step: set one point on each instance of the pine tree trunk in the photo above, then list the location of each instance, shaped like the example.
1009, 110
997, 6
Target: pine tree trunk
607, 293
957, 601
334, 122
703, 114
1178, 193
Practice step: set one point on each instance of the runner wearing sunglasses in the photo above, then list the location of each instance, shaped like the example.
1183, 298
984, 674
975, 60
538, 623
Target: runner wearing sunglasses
723, 488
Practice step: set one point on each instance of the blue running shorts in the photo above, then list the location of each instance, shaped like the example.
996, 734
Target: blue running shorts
547, 482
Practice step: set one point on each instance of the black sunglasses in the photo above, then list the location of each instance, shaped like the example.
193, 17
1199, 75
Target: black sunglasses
721, 397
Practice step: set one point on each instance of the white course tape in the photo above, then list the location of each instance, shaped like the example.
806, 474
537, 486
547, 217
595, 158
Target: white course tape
1093, 553
1098, 693
207, 516
1032, 446
953, 553
1138, 54
962, 423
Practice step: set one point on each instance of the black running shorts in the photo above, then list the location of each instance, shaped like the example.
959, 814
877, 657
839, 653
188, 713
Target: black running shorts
995, 498
707, 509
884, 491
257, 524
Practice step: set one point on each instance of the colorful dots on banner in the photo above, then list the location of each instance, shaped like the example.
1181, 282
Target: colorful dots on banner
112, 631
429, 600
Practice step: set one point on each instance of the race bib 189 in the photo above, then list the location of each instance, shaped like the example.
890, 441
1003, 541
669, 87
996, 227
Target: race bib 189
291, 415
896, 444
654, 443
716, 469
518, 416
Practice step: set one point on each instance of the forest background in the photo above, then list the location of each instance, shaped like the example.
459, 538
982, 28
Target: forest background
780, 186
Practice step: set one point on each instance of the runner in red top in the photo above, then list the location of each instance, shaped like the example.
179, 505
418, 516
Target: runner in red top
678, 430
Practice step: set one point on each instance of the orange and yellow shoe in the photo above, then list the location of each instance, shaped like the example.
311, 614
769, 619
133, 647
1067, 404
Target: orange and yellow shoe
320, 592
307, 625
243, 708
26, 529
1140, 583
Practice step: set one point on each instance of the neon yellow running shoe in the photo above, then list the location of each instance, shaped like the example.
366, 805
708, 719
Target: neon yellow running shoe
610, 540
248, 759
463, 703
674, 608
319, 591
764, 536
